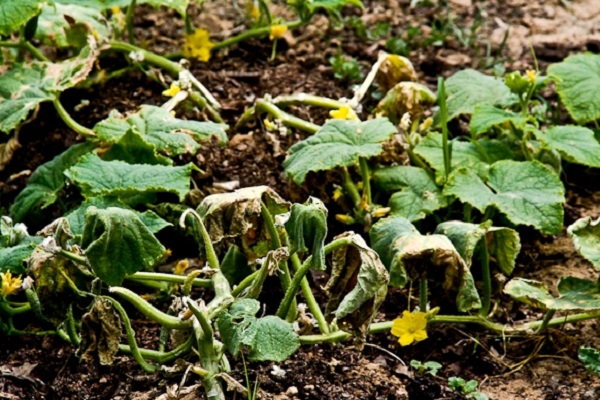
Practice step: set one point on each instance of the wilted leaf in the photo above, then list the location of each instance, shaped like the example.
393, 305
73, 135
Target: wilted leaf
96, 178
528, 193
117, 243
338, 143
357, 286
170, 135
586, 236
486, 116
406, 97
307, 226
416, 194
409, 256
100, 333
239, 215
469, 88
393, 70
46, 182
503, 243
576, 77
15, 14
576, 144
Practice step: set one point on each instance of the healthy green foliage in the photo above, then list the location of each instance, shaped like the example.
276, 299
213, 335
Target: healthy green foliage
307, 226
575, 144
15, 14
268, 338
428, 367
586, 237
338, 143
590, 357
526, 192
15, 246
574, 294
468, 388
117, 243
486, 116
576, 79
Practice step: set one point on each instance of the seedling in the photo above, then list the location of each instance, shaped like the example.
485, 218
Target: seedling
428, 367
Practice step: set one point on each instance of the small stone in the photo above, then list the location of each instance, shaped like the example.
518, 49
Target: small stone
309, 387
292, 391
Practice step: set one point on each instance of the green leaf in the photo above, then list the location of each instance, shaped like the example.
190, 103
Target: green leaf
76, 218
575, 144
476, 157
117, 244
416, 194
178, 5
133, 148
574, 294
409, 256
23, 88
586, 237
235, 265
170, 135
526, 192
590, 357
357, 286
269, 338
46, 182
469, 88
486, 116
14, 14
338, 143
238, 215
67, 25
12, 258
577, 78
307, 223
96, 178
503, 243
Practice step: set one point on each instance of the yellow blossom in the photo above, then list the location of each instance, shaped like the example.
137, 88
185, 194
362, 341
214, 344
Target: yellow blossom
277, 31
181, 267
381, 212
337, 193
197, 45
172, 91
345, 219
344, 112
410, 328
269, 125
118, 16
531, 75
10, 284
252, 10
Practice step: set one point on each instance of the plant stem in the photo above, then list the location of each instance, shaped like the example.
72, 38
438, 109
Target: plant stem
547, 318
253, 33
159, 356
486, 278
245, 283
25, 45
423, 294
308, 100
129, 21
211, 255
441, 95
350, 187
70, 122
7, 309
161, 277
366, 180
264, 106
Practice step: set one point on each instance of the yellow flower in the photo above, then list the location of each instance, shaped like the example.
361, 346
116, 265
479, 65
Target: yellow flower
344, 112
531, 75
172, 91
410, 328
252, 10
10, 284
197, 45
337, 193
277, 31
269, 125
118, 16
181, 267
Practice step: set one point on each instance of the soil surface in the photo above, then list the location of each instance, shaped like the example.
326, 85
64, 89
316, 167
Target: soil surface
473, 33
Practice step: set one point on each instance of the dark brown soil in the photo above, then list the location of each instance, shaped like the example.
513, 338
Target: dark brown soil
532, 367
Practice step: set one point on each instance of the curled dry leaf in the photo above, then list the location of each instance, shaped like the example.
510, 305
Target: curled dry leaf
100, 332
395, 69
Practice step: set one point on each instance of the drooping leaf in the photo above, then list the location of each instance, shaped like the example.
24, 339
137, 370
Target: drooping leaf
406, 97
416, 194
503, 243
100, 332
590, 357
76, 218
338, 143
526, 192
23, 88
409, 256
133, 148
117, 243
46, 182
576, 77
307, 226
393, 70
15, 14
486, 116
575, 294
67, 25
576, 144
238, 215
469, 88
476, 157
269, 338
585, 233
170, 135
96, 177
357, 286
235, 265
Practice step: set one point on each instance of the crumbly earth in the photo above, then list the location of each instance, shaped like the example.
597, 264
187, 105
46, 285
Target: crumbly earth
533, 367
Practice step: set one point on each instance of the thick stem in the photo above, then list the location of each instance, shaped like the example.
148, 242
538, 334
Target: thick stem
423, 294
162, 357
161, 277
350, 187
253, 33
308, 100
264, 106
547, 318
25, 45
70, 122
129, 21
211, 255
441, 95
365, 173
7, 309
309, 296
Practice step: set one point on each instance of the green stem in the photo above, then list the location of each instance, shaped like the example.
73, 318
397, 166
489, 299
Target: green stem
69, 121
162, 357
366, 180
441, 95
244, 284
264, 106
7, 309
253, 33
547, 318
161, 277
290, 294
308, 100
149, 310
350, 187
211, 255
423, 294
76, 258
25, 45
70, 327
135, 351
149, 57
129, 21
189, 27
486, 277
